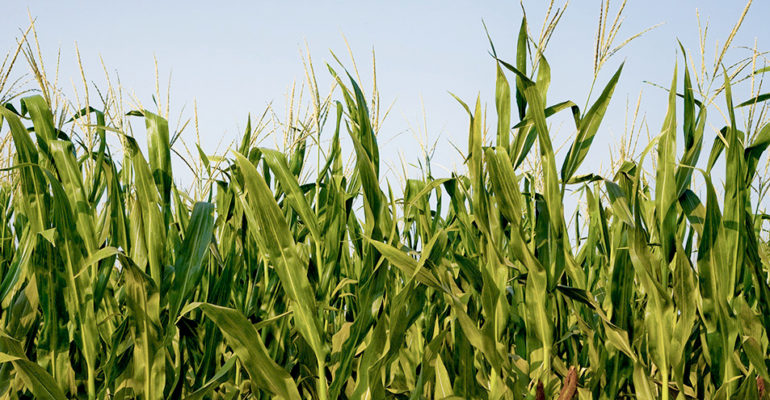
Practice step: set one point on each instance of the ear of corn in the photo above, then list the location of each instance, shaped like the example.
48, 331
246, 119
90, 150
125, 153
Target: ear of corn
292, 282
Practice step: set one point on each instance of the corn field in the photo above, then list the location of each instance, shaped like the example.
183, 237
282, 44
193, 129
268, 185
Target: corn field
281, 279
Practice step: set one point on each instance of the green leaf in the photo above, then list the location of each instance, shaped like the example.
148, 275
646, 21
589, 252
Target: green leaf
159, 154
270, 228
294, 194
665, 178
248, 347
589, 125
190, 255
220, 376
503, 105
35, 378
755, 100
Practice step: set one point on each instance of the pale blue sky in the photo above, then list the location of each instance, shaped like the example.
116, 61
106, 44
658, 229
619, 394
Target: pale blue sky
236, 58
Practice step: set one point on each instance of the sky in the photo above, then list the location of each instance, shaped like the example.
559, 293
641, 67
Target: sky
236, 58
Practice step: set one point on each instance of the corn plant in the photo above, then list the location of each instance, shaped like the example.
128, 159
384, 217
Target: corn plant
289, 281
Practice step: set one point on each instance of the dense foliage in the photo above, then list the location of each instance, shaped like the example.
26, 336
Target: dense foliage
293, 281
